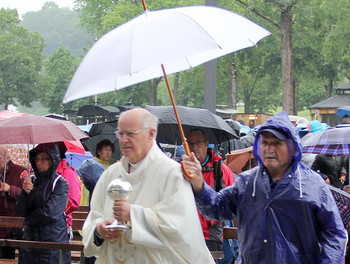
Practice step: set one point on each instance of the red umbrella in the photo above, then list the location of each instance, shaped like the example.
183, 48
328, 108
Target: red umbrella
237, 159
7, 114
32, 129
74, 146
71, 146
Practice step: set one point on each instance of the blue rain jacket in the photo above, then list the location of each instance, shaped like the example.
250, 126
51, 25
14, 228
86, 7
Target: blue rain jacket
298, 222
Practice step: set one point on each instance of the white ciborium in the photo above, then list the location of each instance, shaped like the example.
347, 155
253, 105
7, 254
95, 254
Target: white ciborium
118, 189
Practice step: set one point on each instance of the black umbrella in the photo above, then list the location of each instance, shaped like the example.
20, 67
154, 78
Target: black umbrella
215, 128
103, 128
101, 131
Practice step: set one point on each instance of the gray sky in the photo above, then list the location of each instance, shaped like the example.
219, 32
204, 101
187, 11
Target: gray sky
24, 6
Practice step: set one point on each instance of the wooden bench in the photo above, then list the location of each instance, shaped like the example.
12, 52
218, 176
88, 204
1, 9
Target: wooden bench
63, 247
76, 247
231, 232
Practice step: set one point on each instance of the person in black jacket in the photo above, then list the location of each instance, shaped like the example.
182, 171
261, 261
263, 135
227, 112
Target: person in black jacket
331, 168
42, 203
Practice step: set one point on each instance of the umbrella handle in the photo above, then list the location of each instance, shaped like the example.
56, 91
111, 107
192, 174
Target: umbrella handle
188, 153
182, 134
185, 172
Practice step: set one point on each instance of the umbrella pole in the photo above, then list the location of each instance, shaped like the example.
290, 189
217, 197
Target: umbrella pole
184, 142
144, 5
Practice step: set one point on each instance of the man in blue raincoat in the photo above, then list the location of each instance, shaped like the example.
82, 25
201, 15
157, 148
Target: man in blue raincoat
286, 212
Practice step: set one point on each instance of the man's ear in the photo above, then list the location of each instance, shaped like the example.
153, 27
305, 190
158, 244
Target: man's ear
152, 132
292, 147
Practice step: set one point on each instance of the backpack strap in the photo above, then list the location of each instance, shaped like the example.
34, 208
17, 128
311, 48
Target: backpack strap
55, 181
218, 180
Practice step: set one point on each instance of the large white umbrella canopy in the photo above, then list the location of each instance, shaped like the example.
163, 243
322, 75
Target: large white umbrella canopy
176, 38
160, 42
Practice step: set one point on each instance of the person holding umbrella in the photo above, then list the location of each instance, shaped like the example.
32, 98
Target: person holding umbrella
10, 189
160, 207
42, 203
286, 212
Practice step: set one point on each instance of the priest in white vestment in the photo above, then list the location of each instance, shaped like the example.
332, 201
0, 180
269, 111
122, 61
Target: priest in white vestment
160, 208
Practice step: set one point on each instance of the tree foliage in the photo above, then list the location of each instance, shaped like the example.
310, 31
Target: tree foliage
59, 70
20, 60
58, 25
321, 54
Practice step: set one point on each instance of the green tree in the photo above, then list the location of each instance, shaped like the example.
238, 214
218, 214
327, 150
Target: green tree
59, 70
20, 60
321, 49
58, 25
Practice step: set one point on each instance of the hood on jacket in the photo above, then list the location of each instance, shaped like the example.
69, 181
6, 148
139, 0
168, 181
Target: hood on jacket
280, 122
51, 149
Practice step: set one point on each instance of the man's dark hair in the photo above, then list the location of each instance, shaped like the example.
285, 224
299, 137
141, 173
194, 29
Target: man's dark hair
103, 143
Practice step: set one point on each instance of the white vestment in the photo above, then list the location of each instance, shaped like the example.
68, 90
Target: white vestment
164, 219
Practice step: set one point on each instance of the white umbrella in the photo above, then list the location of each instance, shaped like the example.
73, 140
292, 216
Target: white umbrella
160, 42
177, 38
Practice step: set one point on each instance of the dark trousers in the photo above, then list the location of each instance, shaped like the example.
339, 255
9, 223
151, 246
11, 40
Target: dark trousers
214, 246
90, 260
7, 253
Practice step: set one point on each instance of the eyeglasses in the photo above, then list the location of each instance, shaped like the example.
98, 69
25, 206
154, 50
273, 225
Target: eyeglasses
197, 143
129, 134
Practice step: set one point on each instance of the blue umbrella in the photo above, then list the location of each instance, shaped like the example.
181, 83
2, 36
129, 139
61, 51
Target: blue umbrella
75, 160
343, 111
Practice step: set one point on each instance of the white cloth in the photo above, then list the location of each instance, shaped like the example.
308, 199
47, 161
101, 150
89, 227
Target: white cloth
164, 220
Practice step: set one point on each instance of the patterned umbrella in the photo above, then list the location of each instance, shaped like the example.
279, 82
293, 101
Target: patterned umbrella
342, 200
332, 141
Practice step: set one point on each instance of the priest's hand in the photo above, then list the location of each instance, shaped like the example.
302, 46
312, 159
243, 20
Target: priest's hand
121, 210
105, 233
194, 167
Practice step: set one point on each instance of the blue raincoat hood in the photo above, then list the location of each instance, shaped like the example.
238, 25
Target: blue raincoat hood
280, 122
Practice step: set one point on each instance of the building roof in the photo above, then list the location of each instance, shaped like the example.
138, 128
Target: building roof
344, 87
333, 102
340, 99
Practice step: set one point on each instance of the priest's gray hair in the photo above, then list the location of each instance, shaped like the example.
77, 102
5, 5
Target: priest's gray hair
149, 120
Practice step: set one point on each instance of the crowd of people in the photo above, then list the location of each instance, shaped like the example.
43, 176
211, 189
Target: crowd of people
285, 210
